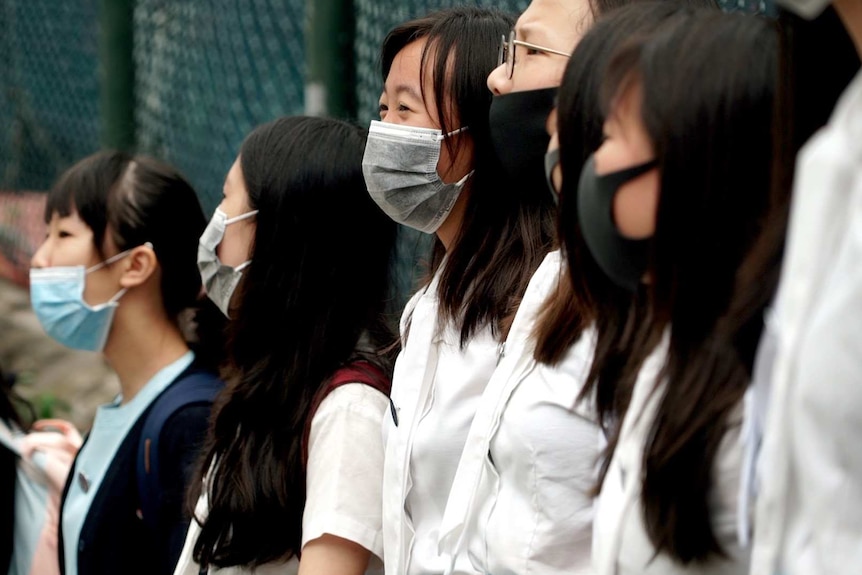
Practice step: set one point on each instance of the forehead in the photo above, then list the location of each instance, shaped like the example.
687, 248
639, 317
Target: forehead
234, 183
626, 103
71, 218
407, 63
561, 20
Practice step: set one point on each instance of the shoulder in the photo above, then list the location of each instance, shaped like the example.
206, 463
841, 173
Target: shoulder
352, 400
180, 415
546, 277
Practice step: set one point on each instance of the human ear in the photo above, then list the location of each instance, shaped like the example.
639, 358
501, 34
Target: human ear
141, 263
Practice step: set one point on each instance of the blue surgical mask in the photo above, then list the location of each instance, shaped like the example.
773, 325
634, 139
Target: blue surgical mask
57, 296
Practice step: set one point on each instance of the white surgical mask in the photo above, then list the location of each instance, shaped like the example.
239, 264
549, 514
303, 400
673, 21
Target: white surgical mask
400, 169
808, 9
219, 280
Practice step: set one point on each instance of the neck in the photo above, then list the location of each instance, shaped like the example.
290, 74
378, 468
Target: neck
448, 230
850, 12
141, 344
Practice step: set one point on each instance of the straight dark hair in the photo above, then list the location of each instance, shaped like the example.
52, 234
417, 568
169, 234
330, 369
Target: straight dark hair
138, 199
585, 295
807, 93
507, 230
317, 283
708, 84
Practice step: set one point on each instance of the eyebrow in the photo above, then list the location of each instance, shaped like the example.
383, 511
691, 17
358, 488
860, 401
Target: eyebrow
410, 90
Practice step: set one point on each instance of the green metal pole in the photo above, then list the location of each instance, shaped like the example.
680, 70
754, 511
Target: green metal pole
117, 74
329, 87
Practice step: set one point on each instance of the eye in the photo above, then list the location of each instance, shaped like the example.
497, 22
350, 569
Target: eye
382, 109
64, 234
531, 51
403, 108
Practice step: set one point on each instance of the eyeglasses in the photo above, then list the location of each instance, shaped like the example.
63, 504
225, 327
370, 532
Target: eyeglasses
507, 52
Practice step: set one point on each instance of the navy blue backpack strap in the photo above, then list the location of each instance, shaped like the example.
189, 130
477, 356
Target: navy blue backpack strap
195, 387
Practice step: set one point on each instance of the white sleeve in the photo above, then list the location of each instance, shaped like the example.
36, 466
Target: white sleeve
344, 481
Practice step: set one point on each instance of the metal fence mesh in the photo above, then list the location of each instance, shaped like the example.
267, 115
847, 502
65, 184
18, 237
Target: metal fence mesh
49, 90
207, 72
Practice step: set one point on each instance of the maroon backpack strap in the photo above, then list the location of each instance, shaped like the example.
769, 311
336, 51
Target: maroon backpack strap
361, 371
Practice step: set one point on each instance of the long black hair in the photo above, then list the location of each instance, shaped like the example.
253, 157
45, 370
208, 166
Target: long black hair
506, 230
807, 94
585, 295
708, 84
317, 283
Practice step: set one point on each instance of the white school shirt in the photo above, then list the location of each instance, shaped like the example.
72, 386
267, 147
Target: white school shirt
809, 509
521, 499
436, 389
621, 545
110, 427
343, 481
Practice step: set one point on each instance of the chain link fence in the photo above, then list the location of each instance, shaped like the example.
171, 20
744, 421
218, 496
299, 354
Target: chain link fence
49, 91
205, 73
49, 111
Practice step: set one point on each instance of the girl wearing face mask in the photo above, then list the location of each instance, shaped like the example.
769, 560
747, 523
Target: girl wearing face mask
429, 165
669, 205
532, 59
522, 499
113, 275
298, 256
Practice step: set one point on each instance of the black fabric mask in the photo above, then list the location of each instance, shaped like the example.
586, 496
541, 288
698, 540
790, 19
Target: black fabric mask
552, 158
517, 123
624, 260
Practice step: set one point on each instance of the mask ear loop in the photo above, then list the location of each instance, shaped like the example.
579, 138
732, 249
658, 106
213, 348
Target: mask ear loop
442, 137
116, 257
111, 260
464, 179
239, 218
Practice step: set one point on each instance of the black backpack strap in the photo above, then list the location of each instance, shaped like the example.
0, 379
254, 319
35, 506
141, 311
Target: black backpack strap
196, 387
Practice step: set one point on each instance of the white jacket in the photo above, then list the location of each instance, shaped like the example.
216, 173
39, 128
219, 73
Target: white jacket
436, 388
520, 501
809, 511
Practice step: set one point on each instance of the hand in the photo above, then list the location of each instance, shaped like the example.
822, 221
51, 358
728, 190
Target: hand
59, 441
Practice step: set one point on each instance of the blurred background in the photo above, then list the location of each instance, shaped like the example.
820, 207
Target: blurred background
183, 80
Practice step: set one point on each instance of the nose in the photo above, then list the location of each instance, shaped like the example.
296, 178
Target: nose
498, 82
40, 259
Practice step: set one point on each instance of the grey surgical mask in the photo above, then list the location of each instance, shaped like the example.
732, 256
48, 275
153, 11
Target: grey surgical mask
219, 280
400, 169
552, 160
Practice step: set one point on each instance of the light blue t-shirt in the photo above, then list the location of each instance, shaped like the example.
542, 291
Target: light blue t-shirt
110, 427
